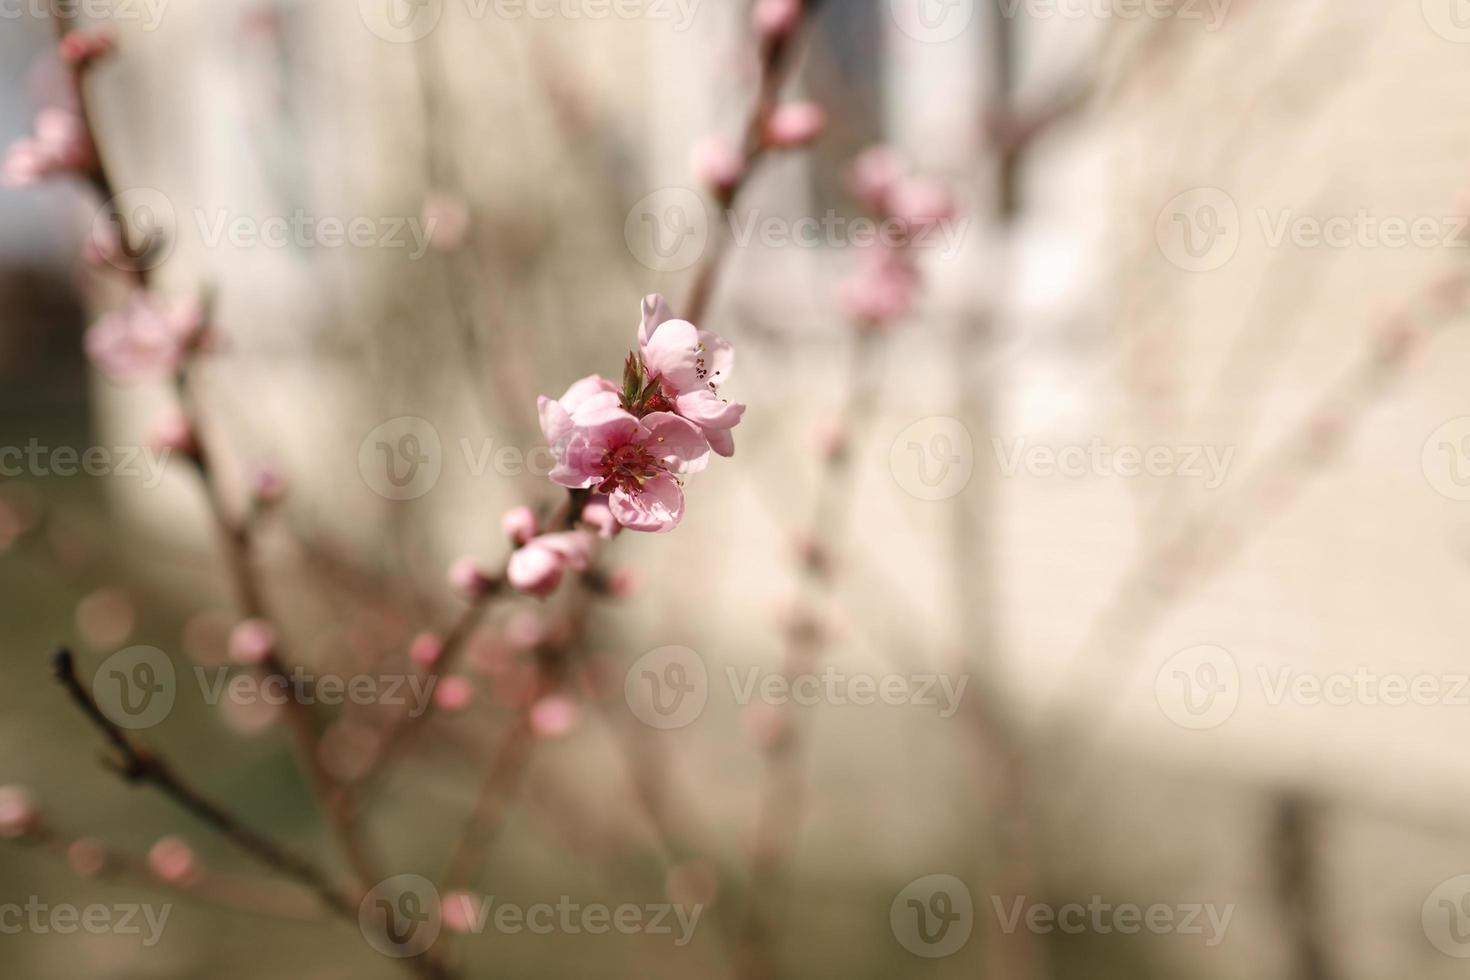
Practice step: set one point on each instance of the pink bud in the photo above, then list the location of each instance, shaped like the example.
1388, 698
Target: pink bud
86, 856
460, 911
18, 813
469, 578
454, 694
718, 164
80, 47
426, 649
624, 581
599, 517
252, 642
872, 177
775, 19
553, 716
172, 433
535, 570
795, 124
519, 524
268, 485
172, 860
526, 630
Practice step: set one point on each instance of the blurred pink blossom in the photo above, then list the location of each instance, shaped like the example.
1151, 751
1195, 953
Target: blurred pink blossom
145, 340
469, 578
86, 856
795, 124
81, 46
61, 145
718, 163
447, 219
519, 524
426, 649
171, 432
538, 568
454, 694
776, 18
553, 716
18, 813
252, 642
173, 860
598, 516
882, 289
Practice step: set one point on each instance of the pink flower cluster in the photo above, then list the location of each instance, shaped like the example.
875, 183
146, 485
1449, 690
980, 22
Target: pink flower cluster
885, 286
634, 443
145, 340
61, 145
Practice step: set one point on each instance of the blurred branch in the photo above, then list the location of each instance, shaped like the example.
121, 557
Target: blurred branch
135, 764
1298, 882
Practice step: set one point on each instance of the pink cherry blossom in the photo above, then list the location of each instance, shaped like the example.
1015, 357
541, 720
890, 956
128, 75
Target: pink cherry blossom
61, 145
795, 124
718, 163
454, 694
598, 516
776, 18
18, 813
597, 443
920, 204
519, 524
252, 642
82, 46
881, 290
469, 578
692, 364
537, 569
171, 432
145, 340
872, 177
173, 860
553, 716
426, 649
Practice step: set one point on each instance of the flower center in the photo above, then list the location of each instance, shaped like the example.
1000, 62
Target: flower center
627, 468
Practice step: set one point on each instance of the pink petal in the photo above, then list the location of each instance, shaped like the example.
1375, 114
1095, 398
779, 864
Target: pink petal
722, 441
676, 442
656, 313
586, 388
657, 508
673, 353
709, 411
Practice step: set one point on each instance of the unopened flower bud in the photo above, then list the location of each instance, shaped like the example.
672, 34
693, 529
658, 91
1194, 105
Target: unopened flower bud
519, 524
252, 642
172, 860
18, 813
718, 164
795, 124
469, 578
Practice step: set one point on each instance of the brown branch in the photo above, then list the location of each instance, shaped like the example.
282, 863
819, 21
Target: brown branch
135, 764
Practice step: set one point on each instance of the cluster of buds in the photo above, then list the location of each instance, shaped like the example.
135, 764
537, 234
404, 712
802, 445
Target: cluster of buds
62, 143
148, 339
884, 288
